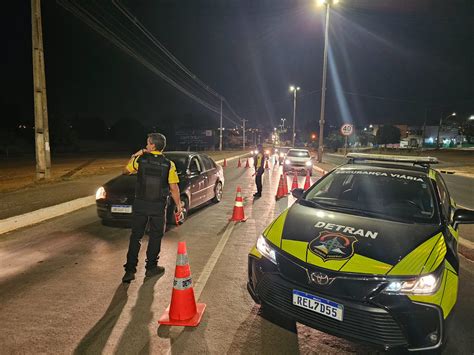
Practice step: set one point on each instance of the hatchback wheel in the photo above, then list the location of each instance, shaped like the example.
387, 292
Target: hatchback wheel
217, 193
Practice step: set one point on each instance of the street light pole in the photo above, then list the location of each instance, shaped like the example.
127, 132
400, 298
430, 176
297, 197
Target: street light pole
243, 134
323, 85
220, 131
294, 89
439, 127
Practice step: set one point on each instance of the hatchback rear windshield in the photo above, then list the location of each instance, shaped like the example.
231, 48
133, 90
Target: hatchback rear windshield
377, 193
298, 153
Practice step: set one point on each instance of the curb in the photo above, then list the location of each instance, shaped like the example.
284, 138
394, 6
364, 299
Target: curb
322, 171
23, 220
43, 214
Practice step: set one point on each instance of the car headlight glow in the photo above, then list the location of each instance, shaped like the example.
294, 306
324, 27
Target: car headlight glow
267, 152
287, 162
100, 193
276, 150
282, 155
423, 285
309, 163
265, 249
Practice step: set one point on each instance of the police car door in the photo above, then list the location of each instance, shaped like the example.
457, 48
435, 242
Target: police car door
196, 181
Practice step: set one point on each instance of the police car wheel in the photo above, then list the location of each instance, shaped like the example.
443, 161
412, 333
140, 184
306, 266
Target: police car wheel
217, 193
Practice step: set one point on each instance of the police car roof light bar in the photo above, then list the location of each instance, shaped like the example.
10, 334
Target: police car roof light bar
425, 161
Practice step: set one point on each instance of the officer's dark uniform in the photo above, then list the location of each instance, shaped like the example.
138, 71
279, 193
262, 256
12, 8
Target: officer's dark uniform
155, 173
258, 163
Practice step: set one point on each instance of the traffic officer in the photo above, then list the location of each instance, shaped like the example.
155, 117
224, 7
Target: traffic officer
259, 165
156, 178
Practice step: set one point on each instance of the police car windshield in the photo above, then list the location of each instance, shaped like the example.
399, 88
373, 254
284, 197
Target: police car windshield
385, 194
180, 161
298, 153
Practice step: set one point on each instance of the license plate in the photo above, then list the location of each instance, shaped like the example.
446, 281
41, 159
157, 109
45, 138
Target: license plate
121, 209
319, 305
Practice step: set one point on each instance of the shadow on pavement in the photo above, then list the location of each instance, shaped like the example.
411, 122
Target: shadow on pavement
96, 339
135, 339
263, 337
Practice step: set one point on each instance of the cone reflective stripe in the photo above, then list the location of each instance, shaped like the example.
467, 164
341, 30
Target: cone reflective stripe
285, 184
238, 214
307, 182
294, 185
280, 192
247, 165
183, 310
239, 164
225, 163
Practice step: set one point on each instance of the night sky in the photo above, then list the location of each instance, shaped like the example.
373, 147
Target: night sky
390, 60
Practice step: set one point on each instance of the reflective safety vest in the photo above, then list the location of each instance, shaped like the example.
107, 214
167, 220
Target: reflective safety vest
152, 178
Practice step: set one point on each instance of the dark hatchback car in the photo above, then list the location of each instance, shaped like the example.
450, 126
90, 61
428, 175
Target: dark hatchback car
200, 180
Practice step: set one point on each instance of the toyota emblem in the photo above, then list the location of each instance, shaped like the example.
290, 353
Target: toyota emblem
321, 279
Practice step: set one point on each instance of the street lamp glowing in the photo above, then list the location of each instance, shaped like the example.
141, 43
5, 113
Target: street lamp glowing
326, 2
292, 88
471, 118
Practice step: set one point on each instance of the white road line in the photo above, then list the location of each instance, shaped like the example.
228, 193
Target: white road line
211, 263
208, 268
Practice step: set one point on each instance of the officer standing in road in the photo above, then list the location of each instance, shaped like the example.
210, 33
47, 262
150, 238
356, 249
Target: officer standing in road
259, 165
156, 178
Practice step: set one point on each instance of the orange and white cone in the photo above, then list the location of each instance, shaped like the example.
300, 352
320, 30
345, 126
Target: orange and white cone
285, 184
238, 214
247, 165
239, 165
183, 309
294, 185
281, 190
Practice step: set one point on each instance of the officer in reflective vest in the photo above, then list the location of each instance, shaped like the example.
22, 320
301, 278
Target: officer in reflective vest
259, 165
156, 179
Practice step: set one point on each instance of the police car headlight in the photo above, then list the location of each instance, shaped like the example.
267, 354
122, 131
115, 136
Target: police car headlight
100, 194
423, 285
309, 163
265, 249
287, 162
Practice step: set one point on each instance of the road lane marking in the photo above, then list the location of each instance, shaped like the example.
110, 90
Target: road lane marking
212, 261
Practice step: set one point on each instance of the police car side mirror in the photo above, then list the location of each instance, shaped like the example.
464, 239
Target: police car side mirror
462, 216
297, 193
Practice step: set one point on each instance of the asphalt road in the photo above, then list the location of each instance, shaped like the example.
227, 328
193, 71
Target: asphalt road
60, 289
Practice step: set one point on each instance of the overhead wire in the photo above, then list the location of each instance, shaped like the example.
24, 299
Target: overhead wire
119, 39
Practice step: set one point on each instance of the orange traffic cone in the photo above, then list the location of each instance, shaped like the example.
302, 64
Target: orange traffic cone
294, 185
285, 184
281, 190
307, 182
183, 310
247, 165
239, 164
225, 163
266, 165
238, 215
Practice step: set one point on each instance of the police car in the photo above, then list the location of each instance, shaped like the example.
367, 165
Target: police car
368, 253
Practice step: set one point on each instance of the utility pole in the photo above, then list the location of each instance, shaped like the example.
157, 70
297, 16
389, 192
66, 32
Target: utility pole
243, 135
323, 87
294, 89
43, 152
220, 131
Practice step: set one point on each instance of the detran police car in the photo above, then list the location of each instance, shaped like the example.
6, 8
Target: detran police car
368, 253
